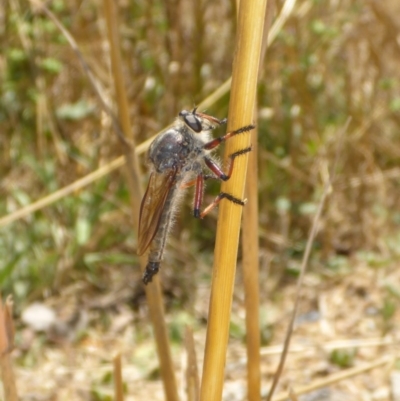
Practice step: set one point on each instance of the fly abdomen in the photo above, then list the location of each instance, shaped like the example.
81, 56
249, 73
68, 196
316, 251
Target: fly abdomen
152, 269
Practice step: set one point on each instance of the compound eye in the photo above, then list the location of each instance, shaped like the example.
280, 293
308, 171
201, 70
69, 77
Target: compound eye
191, 120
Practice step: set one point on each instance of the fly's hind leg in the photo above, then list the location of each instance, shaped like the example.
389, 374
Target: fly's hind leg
221, 195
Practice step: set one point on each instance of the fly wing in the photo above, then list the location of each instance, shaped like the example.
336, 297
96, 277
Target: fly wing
152, 207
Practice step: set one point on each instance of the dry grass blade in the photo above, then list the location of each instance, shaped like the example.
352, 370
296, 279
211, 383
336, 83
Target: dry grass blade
118, 383
71, 188
95, 85
154, 296
133, 171
241, 109
336, 378
283, 16
6, 345
192, 374
43, 116
331, 346
304, 263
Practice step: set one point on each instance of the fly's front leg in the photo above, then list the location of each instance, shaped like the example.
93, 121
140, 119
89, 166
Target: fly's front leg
217, 141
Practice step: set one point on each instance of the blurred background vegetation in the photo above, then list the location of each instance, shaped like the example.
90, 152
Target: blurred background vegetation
328, 63
332, 60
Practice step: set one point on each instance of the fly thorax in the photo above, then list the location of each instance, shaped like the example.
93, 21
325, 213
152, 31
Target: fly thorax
170, 150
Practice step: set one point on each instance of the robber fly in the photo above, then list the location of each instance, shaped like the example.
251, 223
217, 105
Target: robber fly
178, 157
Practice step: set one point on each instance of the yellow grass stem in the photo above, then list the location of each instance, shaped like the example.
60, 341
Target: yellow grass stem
118, 382
6, 346
133, 170
241, 109
250, 248
336, 377
192, 374
153, 292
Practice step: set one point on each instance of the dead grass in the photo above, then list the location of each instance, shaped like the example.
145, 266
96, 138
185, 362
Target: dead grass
341, 313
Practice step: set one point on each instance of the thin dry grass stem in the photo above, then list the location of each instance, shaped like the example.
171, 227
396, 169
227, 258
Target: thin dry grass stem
118, 383
198, 56
281, 19
73, 187
277, 26
241, 111
95, 85
310, 240
331, 345
337, 377
250, 261
120, 161
6, 346
352, 343
157, 315
369, 179
63, 192
42, 114
154, 295
192, 373
216, 95
295, 172
133, 171
250, 250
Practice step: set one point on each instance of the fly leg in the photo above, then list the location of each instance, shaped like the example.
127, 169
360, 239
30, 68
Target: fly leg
217, 141
216, 169
198, 182
221, 195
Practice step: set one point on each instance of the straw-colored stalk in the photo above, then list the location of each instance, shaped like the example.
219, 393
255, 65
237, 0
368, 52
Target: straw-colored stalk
6, 346
338, 377
192, 375
118, 382
153, 291
250, 250
250, 253
241, 109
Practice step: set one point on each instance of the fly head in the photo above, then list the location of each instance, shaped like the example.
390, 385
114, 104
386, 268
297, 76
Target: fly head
198, 122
